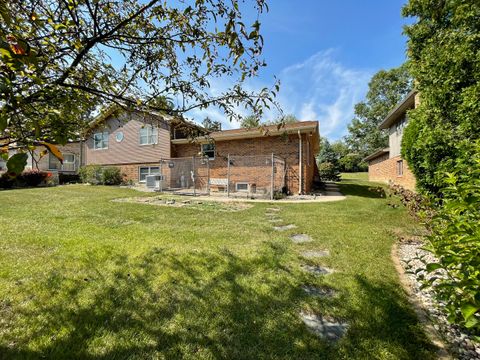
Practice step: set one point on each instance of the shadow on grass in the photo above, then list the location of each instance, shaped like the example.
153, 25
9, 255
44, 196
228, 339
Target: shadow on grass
363, 190
201, 305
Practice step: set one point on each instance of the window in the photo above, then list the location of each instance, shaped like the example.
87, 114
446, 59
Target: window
401, 125
399, 167
147, 170
68, 162
241, 186
100, 140
148, 135
209, 150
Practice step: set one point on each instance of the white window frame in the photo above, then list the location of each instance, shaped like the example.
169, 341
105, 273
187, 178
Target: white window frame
61, 167
104, 140
149, 172
204, 153
241, 183
151, 135
399, 167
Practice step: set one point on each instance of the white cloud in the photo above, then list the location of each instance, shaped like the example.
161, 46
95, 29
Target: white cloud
319, 88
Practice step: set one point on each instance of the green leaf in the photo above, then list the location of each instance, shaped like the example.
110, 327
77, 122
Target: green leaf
471, 322
433, 266
468, 310
17, 163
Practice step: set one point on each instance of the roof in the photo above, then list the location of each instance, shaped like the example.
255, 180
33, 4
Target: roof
261, 131
397, 113
377, 154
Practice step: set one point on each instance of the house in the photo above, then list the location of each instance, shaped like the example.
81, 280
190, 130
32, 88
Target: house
387, 165
144, 143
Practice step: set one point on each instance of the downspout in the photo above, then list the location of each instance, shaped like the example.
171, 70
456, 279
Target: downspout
300, 163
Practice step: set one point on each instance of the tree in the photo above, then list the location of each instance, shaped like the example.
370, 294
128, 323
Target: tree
442, 145
385, 90
211, 125
61, 59
443, 48
250, 121
327, 160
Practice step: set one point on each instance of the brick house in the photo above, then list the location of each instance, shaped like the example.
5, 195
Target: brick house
387, 165
137, 141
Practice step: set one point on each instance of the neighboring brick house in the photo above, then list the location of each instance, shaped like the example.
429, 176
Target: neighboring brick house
387, 165
136, 142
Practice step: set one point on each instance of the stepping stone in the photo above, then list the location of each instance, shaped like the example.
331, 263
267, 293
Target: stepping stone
318, 291
301, 238
275, 220
315, 254
273, 209
325, 327
317, 270
284, 227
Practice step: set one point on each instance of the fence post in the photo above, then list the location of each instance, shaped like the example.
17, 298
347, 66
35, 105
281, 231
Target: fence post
208, 174
194, 177
273, 177
161, 175
228, 175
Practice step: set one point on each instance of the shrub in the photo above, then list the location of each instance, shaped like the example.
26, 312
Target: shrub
111, 176
418, 205
68, 178
90, 174
97, 175
32, 177
6, 182
328, 172
455, 240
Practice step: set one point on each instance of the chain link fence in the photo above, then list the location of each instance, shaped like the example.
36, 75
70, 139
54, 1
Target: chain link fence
236, 176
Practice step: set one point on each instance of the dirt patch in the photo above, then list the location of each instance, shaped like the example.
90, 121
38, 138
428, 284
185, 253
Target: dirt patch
194, 204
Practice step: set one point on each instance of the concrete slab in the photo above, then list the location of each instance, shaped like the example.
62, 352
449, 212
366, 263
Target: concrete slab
324, 327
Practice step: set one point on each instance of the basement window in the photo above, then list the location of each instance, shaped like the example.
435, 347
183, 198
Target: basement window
241, 186
400, 168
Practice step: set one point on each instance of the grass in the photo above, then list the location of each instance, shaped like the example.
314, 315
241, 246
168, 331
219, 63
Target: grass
362, 176
84, 277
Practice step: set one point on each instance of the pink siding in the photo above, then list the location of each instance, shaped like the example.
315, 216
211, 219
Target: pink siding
129, 149
71, 148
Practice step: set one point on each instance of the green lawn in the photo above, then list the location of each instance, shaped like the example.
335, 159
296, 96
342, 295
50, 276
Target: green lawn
84, 277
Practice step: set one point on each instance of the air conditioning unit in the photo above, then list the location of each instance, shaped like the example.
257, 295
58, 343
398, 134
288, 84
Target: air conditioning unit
154, 181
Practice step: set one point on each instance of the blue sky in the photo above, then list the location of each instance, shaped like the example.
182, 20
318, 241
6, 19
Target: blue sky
324, 53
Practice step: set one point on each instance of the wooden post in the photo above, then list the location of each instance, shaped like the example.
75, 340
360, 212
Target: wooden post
273, 178
228, 175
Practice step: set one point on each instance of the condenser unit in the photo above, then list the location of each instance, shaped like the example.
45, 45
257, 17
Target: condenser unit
154, 181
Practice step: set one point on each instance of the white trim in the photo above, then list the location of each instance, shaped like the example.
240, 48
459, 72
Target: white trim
204, 152
152, 135
149, 172
102, 133
242, 183
62, 165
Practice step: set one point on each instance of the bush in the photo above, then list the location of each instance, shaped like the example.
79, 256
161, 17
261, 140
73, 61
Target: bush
6, 182
111, 176
68, 178
32, 177
328, 172
97, 175
455, 240
90, 174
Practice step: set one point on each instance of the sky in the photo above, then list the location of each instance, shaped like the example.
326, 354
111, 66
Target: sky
324, 53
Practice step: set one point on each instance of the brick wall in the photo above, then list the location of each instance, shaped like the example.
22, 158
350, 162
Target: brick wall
384, 169
257, 169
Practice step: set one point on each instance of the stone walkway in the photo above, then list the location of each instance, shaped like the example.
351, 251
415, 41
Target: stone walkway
325, 327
